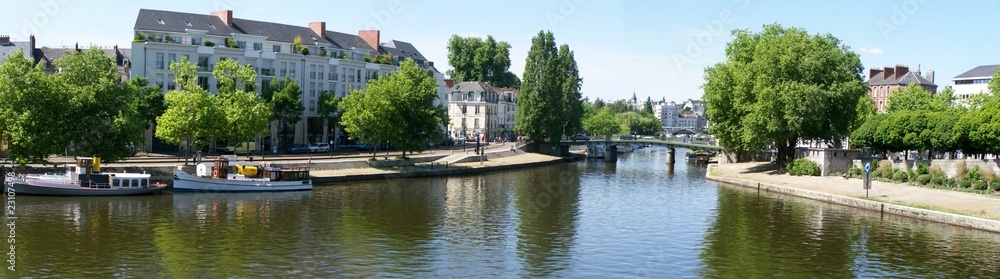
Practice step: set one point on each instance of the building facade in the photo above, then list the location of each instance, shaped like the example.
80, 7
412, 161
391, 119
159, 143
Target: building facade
323, 61
882, 82
974, 81
506, 110
473, 109
688, 116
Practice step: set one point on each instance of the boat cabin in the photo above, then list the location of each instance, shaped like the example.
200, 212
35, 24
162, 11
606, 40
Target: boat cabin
87, 173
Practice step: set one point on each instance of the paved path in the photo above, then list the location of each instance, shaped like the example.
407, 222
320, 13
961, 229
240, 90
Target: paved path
524, 158
977, 205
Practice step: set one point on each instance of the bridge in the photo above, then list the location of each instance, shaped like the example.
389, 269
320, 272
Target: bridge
669, 143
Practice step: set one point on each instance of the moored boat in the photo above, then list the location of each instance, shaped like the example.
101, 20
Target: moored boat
220, 176
82, 179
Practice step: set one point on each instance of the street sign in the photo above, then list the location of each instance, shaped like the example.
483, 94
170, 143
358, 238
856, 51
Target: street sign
868, 167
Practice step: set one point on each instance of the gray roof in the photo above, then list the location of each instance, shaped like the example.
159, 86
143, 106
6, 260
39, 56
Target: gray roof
403, 49
178, 22
7, 50
983, 71
473, 86
906, 79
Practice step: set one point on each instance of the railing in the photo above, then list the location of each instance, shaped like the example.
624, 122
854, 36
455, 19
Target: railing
266, 71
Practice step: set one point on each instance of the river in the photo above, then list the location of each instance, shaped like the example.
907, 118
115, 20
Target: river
587, 219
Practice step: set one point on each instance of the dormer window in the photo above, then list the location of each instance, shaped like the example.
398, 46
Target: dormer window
212, 26
161, 22
188, 24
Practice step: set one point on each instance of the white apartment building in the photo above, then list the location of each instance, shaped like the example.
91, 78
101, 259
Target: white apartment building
473, 110
973, 81
333, 61
506, 110
689, 116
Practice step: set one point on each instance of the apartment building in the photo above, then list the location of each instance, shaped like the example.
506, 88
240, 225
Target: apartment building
324, 60
473, 109
882, 82
974, 81
506, 110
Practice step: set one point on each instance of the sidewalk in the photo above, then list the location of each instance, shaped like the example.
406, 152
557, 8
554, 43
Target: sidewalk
968, 204
520, 160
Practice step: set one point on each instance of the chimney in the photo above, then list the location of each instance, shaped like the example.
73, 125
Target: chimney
77, 47
930, 75
873, 72
449, 82
901, 71
371, 37
318, 27
888, 73
4, 40
31, 47
226, 16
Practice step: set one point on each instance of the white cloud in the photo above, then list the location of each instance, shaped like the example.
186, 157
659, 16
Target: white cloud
873, 50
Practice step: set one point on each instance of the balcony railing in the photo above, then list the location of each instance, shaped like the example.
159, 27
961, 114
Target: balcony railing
206, 67
266, 72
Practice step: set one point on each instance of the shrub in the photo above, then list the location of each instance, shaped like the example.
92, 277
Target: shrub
988, 175
950, 182
899, 176
230, 43
802, 166
961, 171
979, 185
975, 173
885, 168
924, 179
208, 43
935, 171
855, 171
937, 180
922, 169
995, 186
965, 184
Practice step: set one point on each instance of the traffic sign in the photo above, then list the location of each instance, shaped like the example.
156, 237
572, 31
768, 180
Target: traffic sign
868, 167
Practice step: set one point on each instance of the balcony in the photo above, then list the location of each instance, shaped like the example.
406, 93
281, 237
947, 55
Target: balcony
266, 72
206, 67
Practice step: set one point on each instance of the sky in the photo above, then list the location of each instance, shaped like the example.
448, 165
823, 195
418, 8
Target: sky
656, 49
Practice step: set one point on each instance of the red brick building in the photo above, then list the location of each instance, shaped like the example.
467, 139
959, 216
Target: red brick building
882, 82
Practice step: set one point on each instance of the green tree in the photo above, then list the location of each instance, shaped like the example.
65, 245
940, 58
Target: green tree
865, 110
598, 104
914, 97
571, 85
151, 103
328, 110
540, 109
193, 116
247, 114
994, 85
946, 96
782, 85
648, 105
397, 109
620, 106
103, 108
473, 59
285, 100
602, 123
630, 121
32, 111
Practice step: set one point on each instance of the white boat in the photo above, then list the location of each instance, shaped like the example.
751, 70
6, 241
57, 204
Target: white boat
242, 177
595, 151
82, 179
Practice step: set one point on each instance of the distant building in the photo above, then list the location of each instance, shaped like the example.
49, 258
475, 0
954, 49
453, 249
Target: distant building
47, 56
973, 81
689, 116
882, 82
506, 110
473, 109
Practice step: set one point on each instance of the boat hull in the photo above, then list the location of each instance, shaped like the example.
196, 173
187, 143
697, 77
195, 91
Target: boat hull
184, 181
25, 188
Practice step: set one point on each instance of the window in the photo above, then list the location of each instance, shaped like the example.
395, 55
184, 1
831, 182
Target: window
312, 71
171, 58
159, 81
241, 44
170, 83
312, 90
203, 82
276, 48
312, 105
320, 89
212, 26
265, 83
477, 109
320, 74
203, 64
477, 123
359, 75
258, 46
291, 70
159, 61
196, 41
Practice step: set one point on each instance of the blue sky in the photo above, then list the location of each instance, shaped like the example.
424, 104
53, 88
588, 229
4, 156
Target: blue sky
653, 48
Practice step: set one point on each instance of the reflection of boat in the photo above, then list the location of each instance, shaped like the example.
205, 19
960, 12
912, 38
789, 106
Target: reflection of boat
625, 148
699, 156
242, 177
82, 179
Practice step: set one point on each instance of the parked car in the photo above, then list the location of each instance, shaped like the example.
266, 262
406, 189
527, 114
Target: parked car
579, 137
626, 137
458, 140
298, 148
319, 147
447, 142
363, 147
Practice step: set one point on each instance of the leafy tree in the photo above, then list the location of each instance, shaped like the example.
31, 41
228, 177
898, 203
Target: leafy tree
631, 122
193, 116
648, 105
946, 96
473, 59
151, 103
32, 111
782, 85
602, 123
865, 110
285, 100
572, 98
598, 104
994, 85
103, 109
914, 97
541, 109
247, 115
620, 106
397, 109
328, 110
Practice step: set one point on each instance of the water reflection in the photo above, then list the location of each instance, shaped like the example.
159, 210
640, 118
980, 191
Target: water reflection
762, 235
547, 211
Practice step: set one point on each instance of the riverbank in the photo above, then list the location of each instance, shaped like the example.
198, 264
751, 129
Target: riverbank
956, 208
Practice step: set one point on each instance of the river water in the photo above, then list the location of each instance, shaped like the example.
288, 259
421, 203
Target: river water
579, 220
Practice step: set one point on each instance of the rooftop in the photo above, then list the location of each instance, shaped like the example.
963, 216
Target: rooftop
984, 71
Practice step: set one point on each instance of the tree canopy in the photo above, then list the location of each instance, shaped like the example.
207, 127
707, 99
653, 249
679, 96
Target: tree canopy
285, 99
246, 113
550, 95
473, 59
193, 116
602, 123
397, 109
914, 97
32, 112
782, 85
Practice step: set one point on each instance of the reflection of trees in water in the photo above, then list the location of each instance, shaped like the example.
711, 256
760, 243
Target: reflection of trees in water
759, 237
763, 236
84, 237
547, 201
